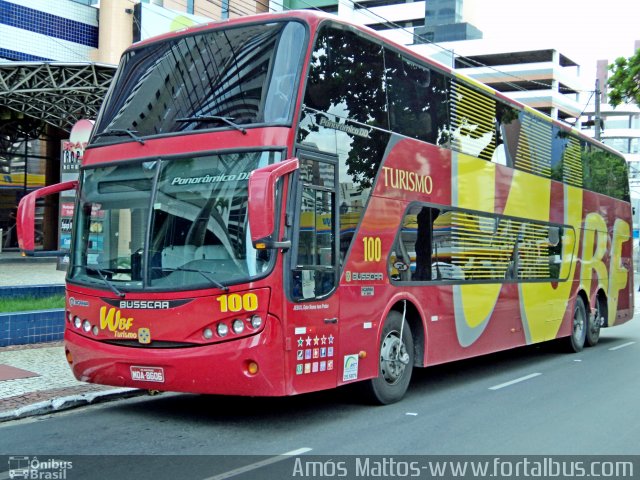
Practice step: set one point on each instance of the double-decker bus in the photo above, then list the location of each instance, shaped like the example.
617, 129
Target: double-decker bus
287, 203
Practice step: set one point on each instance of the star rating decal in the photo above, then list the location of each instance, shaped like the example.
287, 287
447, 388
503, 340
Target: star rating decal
303, 365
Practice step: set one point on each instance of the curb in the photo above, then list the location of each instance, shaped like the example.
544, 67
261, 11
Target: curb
15, 257
37, 291
65, 403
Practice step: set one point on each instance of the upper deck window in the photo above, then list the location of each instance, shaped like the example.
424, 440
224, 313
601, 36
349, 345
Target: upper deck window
245, 74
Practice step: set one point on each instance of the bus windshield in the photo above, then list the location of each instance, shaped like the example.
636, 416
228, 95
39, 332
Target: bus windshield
168, 224
214, 79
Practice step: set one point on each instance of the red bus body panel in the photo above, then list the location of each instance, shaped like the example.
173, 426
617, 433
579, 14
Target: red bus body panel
303, 346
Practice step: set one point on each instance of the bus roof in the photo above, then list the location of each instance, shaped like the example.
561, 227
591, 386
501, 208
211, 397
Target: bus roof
315, 17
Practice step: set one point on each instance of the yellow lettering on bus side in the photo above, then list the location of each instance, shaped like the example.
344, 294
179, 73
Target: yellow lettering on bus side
473, 187
372, 249
618, 274
235, 302
543, 305
594, 248
407, 181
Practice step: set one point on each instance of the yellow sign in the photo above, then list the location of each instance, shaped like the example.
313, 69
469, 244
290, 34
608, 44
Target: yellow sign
144, 336
113, 321
236, 302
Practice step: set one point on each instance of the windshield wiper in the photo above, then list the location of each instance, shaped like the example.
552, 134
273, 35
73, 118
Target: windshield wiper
120, 132
222, 287
101, 273
214, 118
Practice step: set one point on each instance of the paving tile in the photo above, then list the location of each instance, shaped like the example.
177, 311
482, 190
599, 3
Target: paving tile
7, 372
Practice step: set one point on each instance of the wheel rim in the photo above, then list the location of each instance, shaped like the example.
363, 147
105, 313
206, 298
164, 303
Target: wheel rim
596, 324
578, 325
393, 358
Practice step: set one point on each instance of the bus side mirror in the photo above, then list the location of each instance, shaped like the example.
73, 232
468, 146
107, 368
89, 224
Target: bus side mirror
262, 203
26, 218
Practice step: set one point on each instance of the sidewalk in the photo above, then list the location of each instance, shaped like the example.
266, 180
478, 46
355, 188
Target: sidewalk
36, 379
17, 270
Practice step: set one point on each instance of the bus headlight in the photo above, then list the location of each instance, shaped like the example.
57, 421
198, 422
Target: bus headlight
77, 322
238, 326
207, 333
86, 326
256, 321
222, 329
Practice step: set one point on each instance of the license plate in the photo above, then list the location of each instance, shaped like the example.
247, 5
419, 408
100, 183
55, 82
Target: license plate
147, 374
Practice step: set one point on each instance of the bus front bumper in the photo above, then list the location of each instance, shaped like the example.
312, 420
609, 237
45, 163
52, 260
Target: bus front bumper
226, 368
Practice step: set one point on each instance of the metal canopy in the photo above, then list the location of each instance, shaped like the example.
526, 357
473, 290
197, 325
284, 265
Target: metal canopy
59, 94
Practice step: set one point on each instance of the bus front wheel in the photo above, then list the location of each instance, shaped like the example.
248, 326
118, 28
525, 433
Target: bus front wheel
578, 327
395, 361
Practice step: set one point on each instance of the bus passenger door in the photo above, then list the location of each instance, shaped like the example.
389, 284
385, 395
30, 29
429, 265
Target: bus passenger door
312, 311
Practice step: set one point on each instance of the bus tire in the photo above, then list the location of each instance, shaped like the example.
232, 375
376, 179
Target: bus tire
576, 340
395, 360
594, 323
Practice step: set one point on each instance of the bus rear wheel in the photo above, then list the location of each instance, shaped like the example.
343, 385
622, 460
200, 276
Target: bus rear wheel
594, 323
579, 327
395, 362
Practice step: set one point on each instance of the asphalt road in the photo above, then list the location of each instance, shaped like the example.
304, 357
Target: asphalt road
529, 401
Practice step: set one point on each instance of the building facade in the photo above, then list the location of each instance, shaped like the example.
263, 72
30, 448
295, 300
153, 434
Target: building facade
620, 129
446, 21
542, 78
56, 61
395, 19
42, 30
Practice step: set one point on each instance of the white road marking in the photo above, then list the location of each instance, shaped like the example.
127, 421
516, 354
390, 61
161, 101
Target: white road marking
621, 346
412, 414
257, 465
512, 382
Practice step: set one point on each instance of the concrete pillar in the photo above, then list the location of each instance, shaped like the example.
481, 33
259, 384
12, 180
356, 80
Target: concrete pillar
52, 175
346, 9
602, 74
116, 30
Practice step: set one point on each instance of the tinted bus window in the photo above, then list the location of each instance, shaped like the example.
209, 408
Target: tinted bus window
441, 244
418, 99
345, 97
346, 78
604, 172
473, 115
534, 146
566, 161
245, 74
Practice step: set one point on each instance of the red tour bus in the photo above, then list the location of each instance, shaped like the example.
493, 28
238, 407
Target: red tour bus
287, 203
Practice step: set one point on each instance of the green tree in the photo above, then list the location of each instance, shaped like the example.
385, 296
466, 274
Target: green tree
625, 82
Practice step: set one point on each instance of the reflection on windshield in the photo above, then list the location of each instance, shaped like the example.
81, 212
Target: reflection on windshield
243, 75
171, 224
